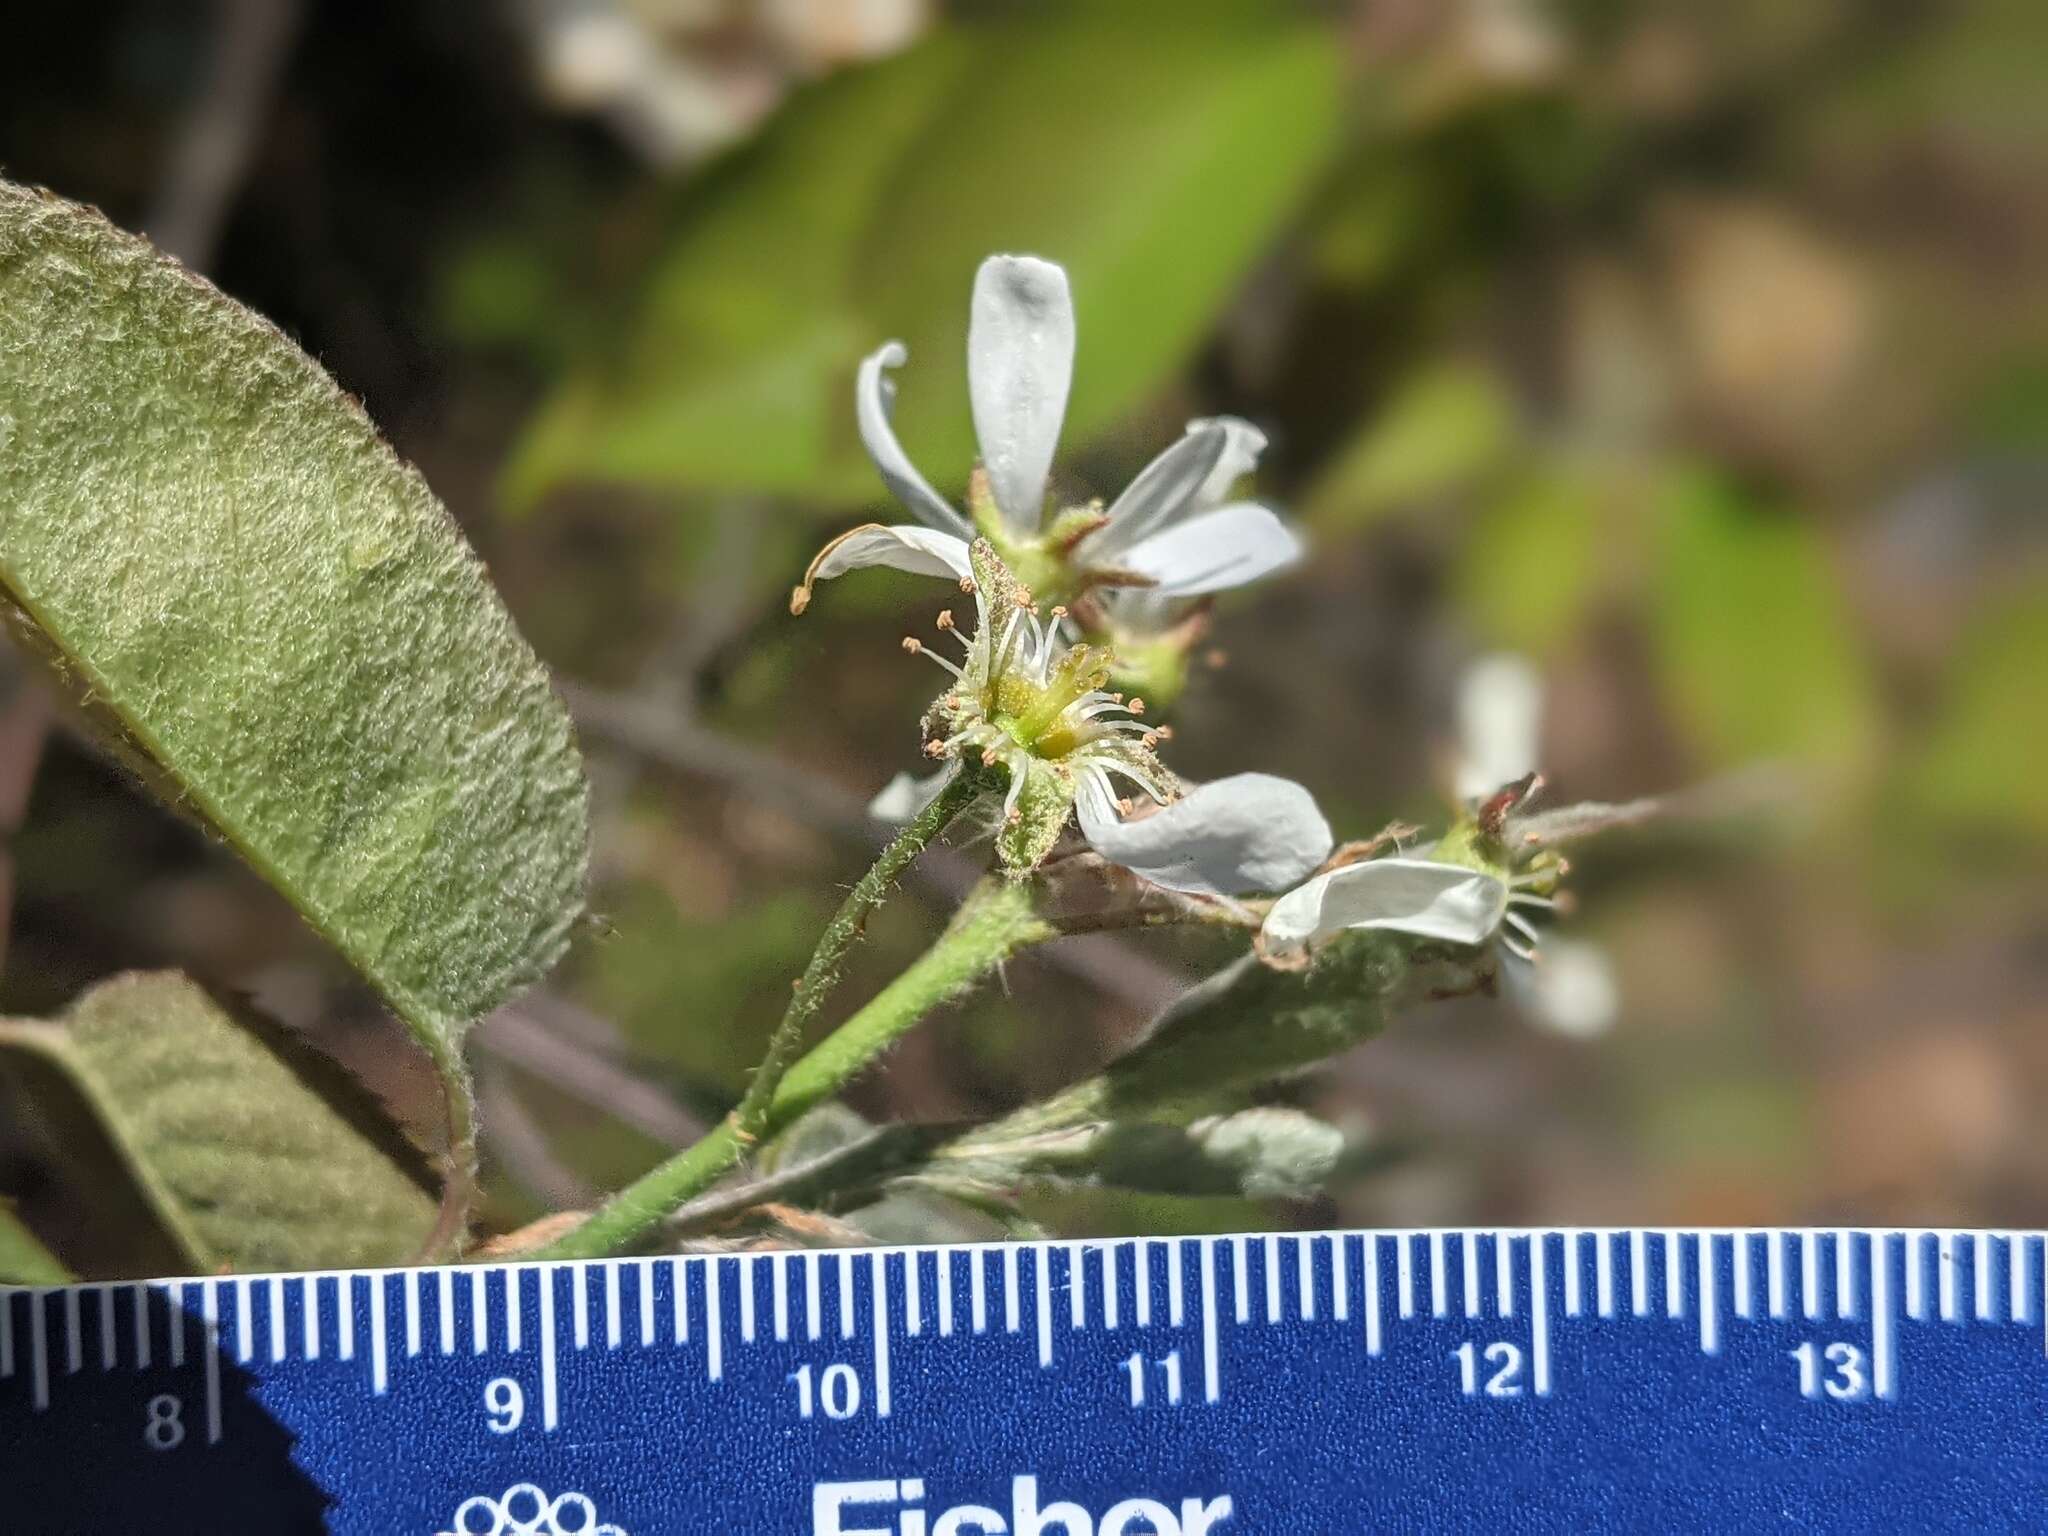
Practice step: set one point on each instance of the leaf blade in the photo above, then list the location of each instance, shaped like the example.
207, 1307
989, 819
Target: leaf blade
242, 1151
343, 698
23, 1258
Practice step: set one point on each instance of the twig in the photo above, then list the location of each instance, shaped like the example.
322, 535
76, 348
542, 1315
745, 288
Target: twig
252, 41
24, 729
516, 1140
515, 1037
1750, 789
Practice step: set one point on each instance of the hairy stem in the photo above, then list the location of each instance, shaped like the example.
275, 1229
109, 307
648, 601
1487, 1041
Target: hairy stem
828, 960
998, 919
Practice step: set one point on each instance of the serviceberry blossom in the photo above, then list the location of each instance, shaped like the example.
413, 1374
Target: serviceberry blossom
1173, 535
1472, 887
1027, 702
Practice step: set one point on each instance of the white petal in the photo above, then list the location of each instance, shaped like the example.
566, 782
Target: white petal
1165, 489
904, 796
1242, 447
1500, 723
1418, 896
1569, 989
874, 392
921, 551
1229, 547
1250, 832
1020, 360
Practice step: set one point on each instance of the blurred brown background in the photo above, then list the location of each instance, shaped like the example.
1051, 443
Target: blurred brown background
1696, 352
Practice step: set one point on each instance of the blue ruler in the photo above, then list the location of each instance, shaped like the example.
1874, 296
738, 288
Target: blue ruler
1331, 1382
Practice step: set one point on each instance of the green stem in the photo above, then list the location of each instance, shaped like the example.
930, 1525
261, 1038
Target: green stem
828, 960
998, 919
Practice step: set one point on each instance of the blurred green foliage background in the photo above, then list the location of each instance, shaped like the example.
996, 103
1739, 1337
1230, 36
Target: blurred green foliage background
1698, 352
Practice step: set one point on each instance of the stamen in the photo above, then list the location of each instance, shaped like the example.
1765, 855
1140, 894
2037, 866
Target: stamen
800, 596
915, 647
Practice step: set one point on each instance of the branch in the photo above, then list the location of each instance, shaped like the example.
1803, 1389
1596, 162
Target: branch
252, 41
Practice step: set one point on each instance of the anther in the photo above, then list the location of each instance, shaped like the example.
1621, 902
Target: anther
1163, 732
912, 644
1137, 705
988, 757
967, 585
1216, 656
935, 748
945, 618
1059, 610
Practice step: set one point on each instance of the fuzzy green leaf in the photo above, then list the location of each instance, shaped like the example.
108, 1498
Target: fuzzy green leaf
23, 1258
1261, 1153
275, 621
251, 1151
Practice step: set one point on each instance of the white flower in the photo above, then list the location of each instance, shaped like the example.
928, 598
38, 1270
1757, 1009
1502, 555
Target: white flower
1475, 887
1172, 534
1026, 701
1451, 903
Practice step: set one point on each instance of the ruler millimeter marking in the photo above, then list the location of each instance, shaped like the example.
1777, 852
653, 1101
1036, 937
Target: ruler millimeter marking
1561, 1379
